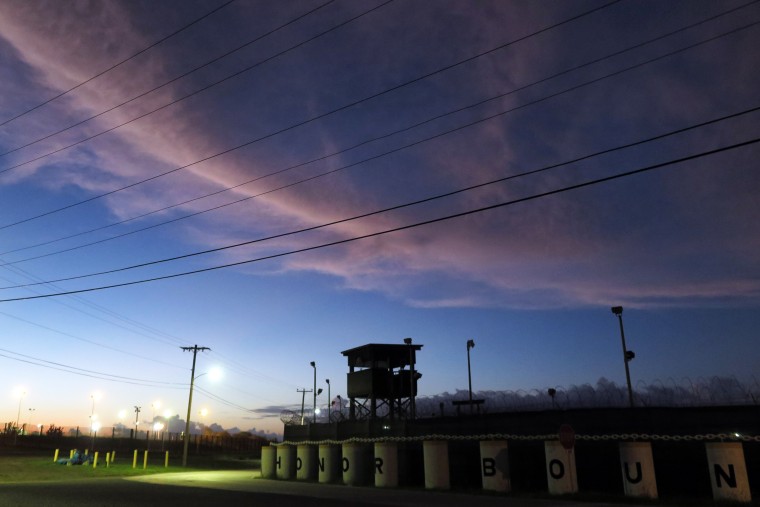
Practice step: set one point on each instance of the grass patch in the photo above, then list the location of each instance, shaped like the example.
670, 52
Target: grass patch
35, 466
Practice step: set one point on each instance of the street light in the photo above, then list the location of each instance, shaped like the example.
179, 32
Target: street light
329, 401
95, 397
408, 342
628, 355
314, 408
20, 392
470, 345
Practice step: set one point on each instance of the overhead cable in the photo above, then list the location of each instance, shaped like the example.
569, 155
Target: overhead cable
272, 134
404, 227
112, 67
365, 142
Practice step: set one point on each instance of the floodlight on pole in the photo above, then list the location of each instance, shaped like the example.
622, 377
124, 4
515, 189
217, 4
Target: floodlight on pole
470, 345
20, 392
314, 390
413, 411
628, 355
329, 401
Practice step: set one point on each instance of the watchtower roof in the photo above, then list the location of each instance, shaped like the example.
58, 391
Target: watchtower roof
380, 355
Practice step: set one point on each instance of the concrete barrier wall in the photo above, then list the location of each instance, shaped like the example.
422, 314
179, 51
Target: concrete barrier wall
286, 462
306, 462
494, 465
637, 467
269, 462
357, 464
436, 459
363, 463
386, 464
329, 463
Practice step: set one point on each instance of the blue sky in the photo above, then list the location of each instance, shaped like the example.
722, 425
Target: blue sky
348, 108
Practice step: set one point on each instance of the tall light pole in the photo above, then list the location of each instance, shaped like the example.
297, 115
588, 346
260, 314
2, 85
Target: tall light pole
314, 409
21, 393
186, 436
470, 345
413, 408
628, 355
95, 397
329, 402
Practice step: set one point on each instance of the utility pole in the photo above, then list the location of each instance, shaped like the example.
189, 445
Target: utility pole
303, 400
194, 349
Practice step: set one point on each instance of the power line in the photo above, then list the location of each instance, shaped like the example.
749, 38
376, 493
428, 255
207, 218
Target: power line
196, 92
368, 141
154, 333
85, 340
383, 136
93, 374
461, 127
109, 69
413, 203
408, 226
156, 88
291, 127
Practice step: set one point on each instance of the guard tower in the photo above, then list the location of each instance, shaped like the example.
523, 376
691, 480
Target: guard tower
379, 385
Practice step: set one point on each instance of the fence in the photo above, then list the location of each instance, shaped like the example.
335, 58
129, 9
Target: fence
119, 439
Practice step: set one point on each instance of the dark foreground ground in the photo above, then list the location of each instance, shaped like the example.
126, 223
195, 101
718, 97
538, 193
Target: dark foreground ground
190, 489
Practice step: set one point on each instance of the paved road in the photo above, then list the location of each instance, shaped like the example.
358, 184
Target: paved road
225, 488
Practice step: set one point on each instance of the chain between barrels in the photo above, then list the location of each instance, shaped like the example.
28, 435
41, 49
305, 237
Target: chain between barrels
622, 437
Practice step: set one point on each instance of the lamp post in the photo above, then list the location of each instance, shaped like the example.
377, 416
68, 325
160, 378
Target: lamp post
628, 355
21, 393
408, 342
94, 397
329, 402
314, 408
470, 345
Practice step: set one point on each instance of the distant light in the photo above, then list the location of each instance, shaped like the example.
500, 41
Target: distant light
95, 426
167, 413
158, 426
738, 435
204, 412
122, 414
215, 374
317, 411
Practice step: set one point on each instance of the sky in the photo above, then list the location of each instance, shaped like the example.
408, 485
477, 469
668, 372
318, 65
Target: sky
282, 181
